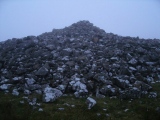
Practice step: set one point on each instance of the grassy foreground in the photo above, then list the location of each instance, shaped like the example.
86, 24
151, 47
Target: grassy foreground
76, 109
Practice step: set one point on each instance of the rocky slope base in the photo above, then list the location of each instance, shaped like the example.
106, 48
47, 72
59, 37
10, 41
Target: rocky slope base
81, 59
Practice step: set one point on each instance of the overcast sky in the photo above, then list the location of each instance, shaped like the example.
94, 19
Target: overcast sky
20, 18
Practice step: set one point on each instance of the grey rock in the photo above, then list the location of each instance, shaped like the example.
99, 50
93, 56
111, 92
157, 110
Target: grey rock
33, 101
51, 94
98, 114
42, 71
22, 102
72, 106
38, 92
61, 87
40, 109
132, 92
4, 81
50, 47
158, 69
101, 78
90, 102
15, 92
104, 109
142, 86
120, 82
98, 95
108, 90
149, 79
132, 68
34, 87
133, 61
16, 80
158, 109
152, 95
61, 109
150, 63
27, 92
126, 110
80, 88
107, 115
114, 59
5, 86
70, 63
30, 81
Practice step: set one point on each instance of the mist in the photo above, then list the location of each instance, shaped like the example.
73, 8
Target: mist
123, 17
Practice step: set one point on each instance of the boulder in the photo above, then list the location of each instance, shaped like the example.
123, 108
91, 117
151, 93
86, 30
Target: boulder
61, 87
108, 90
33, 87
120, 82
30, 81
132, 68
90, 102
133, 61
100, 78
27, 92
152, 95
5, 86
133, 92
3, 81
142, 86
16, 80
38, 92
98, 95
15, 92
33, 101
51, 94
80, 88
42, 71
114, 59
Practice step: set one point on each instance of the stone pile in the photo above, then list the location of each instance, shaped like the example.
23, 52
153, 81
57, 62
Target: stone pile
80, 59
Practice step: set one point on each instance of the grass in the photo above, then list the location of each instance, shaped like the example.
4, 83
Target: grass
137, 109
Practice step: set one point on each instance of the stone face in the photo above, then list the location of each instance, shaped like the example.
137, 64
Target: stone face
90, 102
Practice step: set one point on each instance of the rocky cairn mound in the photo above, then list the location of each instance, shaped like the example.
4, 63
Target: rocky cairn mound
81, 59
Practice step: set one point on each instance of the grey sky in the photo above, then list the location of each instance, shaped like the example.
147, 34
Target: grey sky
20, 18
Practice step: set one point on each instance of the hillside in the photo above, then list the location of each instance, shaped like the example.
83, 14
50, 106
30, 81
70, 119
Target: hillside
81, 60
